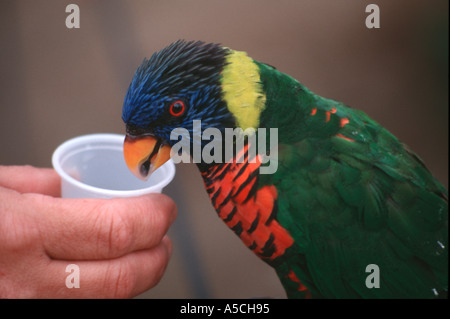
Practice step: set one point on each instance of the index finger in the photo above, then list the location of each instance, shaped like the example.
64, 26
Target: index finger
89, 229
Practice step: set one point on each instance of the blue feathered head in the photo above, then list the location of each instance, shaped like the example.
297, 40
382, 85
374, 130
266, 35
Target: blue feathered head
176, 86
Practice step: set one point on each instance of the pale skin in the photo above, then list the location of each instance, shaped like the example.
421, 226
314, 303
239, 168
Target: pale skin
120, 245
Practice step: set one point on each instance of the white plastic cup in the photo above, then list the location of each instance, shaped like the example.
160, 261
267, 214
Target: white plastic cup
92, 166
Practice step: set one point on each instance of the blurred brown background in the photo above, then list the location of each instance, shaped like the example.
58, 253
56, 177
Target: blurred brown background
58, 83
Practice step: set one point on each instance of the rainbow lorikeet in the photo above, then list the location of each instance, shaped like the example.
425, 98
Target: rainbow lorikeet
346, 195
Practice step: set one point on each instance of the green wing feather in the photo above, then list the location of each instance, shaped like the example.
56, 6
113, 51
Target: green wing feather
352, 195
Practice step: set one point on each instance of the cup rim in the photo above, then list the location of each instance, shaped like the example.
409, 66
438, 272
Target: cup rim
106, 137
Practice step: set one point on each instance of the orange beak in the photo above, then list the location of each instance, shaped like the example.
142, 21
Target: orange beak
144, 154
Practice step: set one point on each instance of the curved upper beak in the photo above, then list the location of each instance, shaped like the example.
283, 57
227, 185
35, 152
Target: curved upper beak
144, 154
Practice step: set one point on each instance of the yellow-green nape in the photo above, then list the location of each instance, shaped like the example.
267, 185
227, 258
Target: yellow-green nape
242, 89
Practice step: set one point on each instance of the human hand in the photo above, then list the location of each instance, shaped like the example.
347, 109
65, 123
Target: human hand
118, 244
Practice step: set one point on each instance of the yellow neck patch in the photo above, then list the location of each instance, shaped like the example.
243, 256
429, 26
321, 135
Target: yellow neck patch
242, 89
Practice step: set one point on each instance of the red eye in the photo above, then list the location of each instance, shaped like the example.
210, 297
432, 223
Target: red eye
177, 108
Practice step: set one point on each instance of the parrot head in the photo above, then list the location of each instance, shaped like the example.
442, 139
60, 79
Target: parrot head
184, 82
176, 86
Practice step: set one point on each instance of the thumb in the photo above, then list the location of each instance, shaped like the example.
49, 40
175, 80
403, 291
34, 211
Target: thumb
29, 179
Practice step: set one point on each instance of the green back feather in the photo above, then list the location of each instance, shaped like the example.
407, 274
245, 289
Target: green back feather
352, 195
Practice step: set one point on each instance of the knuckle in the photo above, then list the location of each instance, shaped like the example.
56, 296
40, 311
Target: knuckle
120, 235
116, 232
120, 281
